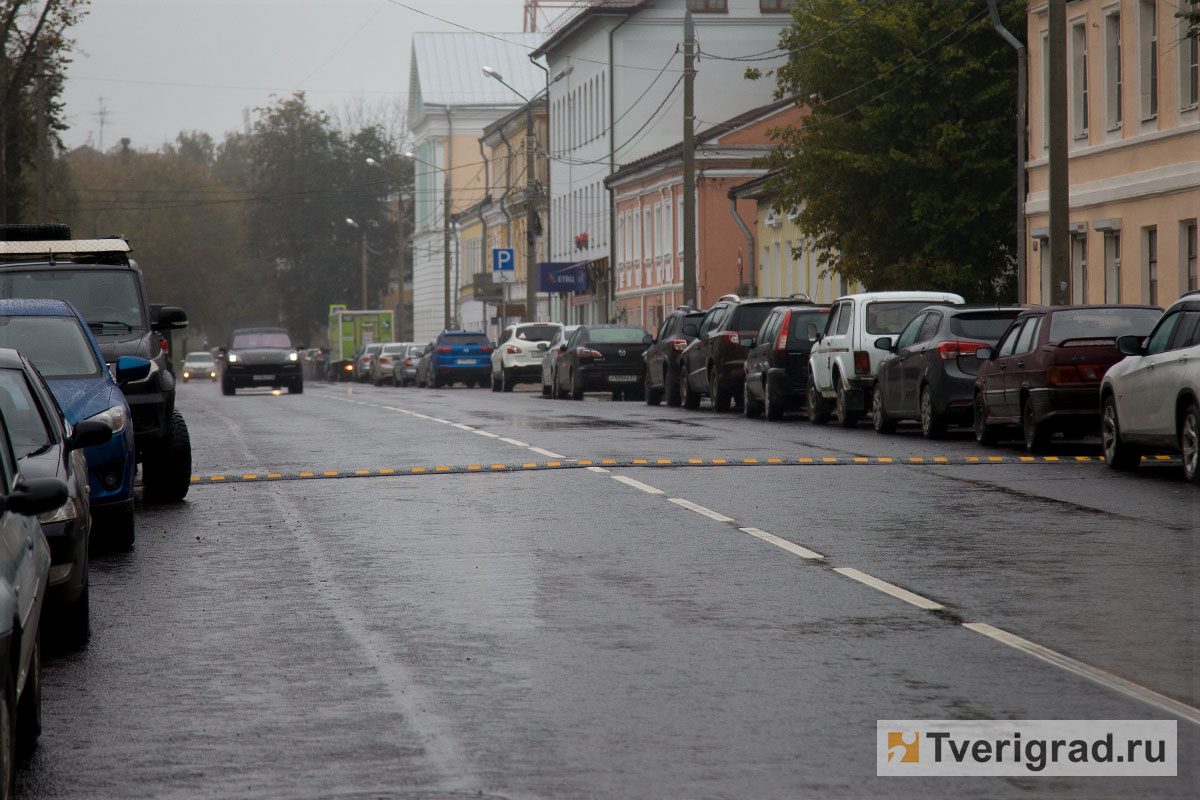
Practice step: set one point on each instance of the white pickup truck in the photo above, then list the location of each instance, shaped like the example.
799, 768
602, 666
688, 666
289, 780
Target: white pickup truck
841, 368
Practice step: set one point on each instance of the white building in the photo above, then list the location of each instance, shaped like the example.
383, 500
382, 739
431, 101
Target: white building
616, 95
450, 102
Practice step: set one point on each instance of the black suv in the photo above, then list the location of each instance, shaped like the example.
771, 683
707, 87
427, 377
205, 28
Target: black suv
104, 284
260, 357
715, 363
662, 359
777, 364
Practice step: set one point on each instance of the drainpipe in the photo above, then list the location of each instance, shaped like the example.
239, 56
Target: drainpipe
611, 296
749, 241
483, 250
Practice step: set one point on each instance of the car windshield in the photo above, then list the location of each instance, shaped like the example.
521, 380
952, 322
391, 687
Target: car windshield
463, 339
198, 358
616, 335
1101, 323
26, 428
106, 298
983, 326
890, 317
536, 333
57, 346
250, 341
750, 317
394, 348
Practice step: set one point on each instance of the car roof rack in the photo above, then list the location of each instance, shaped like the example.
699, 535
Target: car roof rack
64, 247
730, 296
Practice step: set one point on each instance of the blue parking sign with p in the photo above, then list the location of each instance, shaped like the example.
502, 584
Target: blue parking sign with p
504, 264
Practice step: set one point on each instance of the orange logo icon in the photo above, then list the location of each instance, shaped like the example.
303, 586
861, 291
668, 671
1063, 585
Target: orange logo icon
904, 748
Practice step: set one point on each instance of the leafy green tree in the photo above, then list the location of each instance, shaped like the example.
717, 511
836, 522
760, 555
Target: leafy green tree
904, 170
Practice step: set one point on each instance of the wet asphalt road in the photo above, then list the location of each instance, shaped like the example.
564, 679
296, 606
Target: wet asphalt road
562, 634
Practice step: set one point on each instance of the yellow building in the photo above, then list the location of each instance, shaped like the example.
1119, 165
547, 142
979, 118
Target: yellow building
1134, 152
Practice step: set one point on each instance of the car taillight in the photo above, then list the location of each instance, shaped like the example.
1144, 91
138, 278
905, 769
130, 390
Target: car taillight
350, 367
951, 350
679, 344
408, 362
733, 337
512, 350
384, 360
485, 349
444, 349
781, 345
1074, 373
584, 352
862, 362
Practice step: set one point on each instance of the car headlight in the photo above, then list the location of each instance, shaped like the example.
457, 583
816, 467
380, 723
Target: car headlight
72, 509
233, 358
293, 356
187, 374
115, 418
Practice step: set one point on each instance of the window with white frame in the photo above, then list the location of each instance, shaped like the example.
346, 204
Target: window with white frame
679, 226
1079, 79
1151, 245
647, 234
1148, 57
620, 241
658, 232
1190, 278
1189, 63
668, 234
1045, 90
1112, 69
637, 238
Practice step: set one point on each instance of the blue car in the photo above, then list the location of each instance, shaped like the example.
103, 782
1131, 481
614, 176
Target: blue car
460, 356
52, 335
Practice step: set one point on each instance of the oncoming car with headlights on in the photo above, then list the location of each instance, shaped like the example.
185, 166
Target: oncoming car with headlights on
199, 365
260, 357
57, 341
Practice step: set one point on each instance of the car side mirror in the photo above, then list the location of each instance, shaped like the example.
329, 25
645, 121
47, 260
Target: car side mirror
647, 339
1130, 345
984, 354
170, 318
813, 334
130, 368
88, 433
543, 346
33, 496
884, 343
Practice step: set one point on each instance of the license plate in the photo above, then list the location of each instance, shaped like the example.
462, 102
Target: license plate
622, 378
538, 354
470, 361
264, 377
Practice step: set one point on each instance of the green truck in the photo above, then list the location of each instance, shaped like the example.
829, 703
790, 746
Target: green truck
349, 333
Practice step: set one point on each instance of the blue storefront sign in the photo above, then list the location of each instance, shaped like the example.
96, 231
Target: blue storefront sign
563, 276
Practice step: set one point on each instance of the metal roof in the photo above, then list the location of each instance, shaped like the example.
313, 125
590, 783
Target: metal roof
68, 246
449, 67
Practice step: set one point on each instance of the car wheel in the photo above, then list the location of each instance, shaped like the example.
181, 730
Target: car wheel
616, 397
1036, 436
495, 383
653, 396
773, 407
227, 387
933, 425
671, 386
376, 381
690, 397
750, 406
576, 386
1189, 443
846, 418
29, 707
636, 393
167, 474
984, 433
1117, 454
75, 618
818, 408
8, 734
721, 397
507, 380
296, 387
545, 390
119, 527
880, 420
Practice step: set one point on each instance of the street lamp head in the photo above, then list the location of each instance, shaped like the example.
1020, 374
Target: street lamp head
491, 73
351, 222
372, 162
409, 154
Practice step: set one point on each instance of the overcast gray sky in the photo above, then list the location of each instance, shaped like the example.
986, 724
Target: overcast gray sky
165, 66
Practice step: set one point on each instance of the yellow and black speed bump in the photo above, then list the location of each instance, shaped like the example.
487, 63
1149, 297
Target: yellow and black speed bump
617, 463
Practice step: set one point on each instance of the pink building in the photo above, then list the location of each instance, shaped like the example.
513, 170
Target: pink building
647, 251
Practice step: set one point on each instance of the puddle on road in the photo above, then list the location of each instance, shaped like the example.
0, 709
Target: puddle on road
582, 422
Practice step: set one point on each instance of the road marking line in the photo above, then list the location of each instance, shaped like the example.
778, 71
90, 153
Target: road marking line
442, 421
462, 427
550, 454
488, 435
1094, 674
707, 512
421, 416
517, 442
791, 547
636, 484
889, 588
601, 470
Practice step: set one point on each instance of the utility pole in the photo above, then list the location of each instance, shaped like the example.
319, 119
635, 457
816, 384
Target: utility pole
446, 318
41, 110
689, 160
1022, 105
364, 268
1060, 241
530, 217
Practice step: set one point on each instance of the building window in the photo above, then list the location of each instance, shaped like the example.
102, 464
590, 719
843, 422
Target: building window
1189, 248
1079, 269
1148, 56
1112, 69
1189, 67
1152, 265
1079, 80
775, 6
1112, 267
1045, 90
709, 6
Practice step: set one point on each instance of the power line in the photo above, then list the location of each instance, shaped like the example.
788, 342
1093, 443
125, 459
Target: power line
799, 48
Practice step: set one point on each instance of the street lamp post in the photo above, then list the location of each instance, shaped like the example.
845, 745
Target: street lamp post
530, 212
402, 200
363, 238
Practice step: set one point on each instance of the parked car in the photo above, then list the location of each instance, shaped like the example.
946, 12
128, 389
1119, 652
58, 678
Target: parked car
929, 375
47, 446
314, 364
518, 357
381, 370
422, 369
404, 366
1150, 400
551, 360
777, 361
260, 357
363, 359
714, 364
24, 575
841, 375
602, 358
459, 356
201, 365
678, 330
1044, 374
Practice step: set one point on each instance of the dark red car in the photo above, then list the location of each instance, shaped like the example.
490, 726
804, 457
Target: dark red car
1044, 374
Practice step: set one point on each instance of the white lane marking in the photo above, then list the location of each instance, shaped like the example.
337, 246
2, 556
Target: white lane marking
462, 427
601, 470
489, 435
443, 421
546, 453
517, 442
421, 416
637, 484
889, 588
1094, 674
791, 547
707, 512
